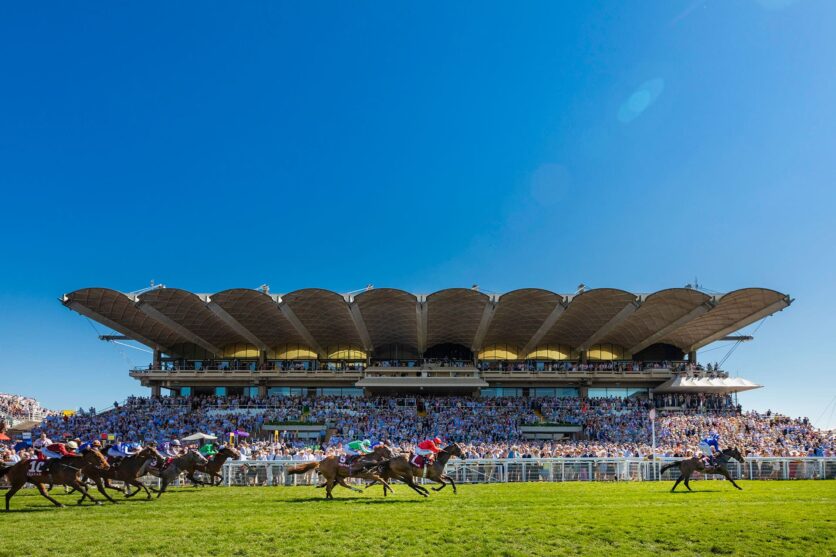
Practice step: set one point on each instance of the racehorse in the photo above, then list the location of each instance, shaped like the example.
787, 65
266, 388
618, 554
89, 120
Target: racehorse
65, 471
402, 468
127, 471
334, 472
695, 464
213, 467
183, 463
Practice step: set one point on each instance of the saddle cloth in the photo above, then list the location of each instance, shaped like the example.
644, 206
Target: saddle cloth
36, 467
418, 461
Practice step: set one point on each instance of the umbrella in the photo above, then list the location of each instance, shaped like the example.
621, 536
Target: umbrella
199, 437
4, 437
22, 445
240, 433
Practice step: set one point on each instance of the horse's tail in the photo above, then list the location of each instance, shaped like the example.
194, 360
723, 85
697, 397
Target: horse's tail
5, 470
668, 466
302, 468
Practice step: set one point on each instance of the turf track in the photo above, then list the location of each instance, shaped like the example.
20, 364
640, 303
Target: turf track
768, 518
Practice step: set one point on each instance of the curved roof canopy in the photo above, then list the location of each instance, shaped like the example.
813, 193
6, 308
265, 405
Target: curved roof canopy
168, 319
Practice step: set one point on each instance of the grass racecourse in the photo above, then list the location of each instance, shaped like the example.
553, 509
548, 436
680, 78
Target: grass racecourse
767, 518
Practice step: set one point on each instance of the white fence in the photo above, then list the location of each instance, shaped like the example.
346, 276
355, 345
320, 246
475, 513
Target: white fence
264, 473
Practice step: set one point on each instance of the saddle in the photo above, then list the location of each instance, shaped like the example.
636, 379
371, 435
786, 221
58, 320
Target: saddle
418, 461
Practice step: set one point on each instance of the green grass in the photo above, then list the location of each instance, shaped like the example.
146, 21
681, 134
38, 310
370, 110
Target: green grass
767, 518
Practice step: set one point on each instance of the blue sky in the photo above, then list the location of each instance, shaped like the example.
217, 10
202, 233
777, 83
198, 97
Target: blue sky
423, 146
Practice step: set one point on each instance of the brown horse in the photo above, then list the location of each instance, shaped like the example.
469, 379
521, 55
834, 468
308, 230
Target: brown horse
213, 467
335, 473
65, 471
695, 464
128, 471
401, 468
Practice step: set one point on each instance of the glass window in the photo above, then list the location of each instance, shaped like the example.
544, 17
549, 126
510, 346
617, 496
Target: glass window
220, 391
597, 393
278, 391
185, 391
501, 391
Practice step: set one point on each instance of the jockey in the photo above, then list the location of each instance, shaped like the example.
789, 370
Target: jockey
709, 446
123, 450
361, 449
209, 449
171, 449
355, 448
57, 450
428, 449
94, 444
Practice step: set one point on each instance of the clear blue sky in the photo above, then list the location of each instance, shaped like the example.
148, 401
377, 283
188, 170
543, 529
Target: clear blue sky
208, 145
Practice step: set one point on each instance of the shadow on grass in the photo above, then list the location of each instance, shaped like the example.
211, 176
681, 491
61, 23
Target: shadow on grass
686, 492
360, 500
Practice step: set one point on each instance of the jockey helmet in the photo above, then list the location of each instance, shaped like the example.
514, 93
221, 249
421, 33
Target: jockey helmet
366, 442
175, 443
72, 445
715, 436
134, 446
97, 443
437, 441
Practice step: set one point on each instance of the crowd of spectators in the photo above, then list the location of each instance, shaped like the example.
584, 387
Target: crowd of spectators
14, 408
488, 427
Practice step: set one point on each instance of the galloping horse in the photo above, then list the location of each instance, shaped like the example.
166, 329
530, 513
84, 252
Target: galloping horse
65, 471
183, 463
127, 471
401, 468
213, 467
334, 472
695, 464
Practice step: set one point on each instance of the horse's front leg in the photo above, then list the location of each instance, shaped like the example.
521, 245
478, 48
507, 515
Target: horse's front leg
85, 493
452, 483
726, 475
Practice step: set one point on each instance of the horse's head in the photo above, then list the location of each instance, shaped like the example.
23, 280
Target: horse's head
96, 459
735, 454
151, 452
383, 452
231, 452
455, 450
196, 458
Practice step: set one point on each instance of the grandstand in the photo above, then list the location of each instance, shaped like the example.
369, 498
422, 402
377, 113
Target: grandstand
525, 343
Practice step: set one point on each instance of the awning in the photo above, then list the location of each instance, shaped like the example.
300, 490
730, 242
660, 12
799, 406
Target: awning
199, 437
683, 384
427, 382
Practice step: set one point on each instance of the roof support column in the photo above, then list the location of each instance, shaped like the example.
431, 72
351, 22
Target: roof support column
667, 329
544, 328
625, 312
421, 317
235, 325
301, 329
487, 317
160, 317
359, 324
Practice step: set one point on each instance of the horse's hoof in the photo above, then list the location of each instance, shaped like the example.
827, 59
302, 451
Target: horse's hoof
61, 506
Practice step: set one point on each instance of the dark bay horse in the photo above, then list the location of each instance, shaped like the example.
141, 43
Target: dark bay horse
695, 464
63, 471
213, 467
186, 462
335, 473
401, 468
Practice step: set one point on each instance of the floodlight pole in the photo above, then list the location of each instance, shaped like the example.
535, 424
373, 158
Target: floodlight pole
652, 415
